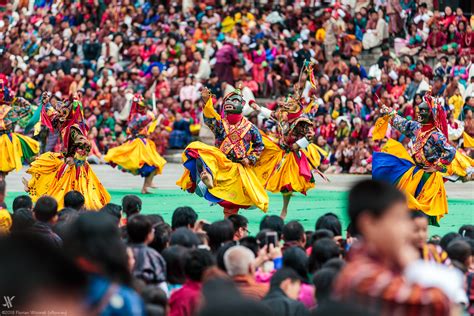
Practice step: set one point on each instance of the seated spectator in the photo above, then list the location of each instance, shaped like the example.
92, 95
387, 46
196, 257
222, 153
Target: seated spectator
74, 199
282, 298
322, 251
186, 300
293, 235
323, 281
149, 264
272, 222
240, 265
459, 251
184, 217
22, 221
162, 236
184, 237
22, 201
428, 252
93, 241
175, 258
131, 205
376, 32
45, 213
380, 215
219, 233
296, 259
240, 226
114, 210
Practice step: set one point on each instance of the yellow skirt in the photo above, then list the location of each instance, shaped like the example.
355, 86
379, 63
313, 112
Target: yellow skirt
460, 165
137, 156
279, 171
52, 176
15, 151
233, 183
424, 191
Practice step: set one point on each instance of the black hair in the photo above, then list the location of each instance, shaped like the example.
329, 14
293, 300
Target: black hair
155, 219
22, 201
162, 236
74, 199
34, 266
251, 243
417, 214
459, 252
272, 222
175, 257
444, 242
45, 208
221, 252
198, 261
296, 258
322, 233
309, 238
293, 231
113, 210
154, 295
219, 233
335, 263
138, 228
323, 280
322, 250
373, 197
467, 231
3, 187
282, 275
331, 222
22, 220
238, 221
95, 237
131, 204
184, 237
183, 217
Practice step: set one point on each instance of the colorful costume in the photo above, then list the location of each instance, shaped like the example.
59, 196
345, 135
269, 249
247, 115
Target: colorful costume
15, 149
55, 174
138, 155
289, 160
419, 172
239, 144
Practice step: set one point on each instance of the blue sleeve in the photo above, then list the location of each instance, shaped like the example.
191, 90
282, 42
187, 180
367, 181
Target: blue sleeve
405, 126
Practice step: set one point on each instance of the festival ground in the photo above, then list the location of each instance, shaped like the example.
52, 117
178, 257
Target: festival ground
327, 197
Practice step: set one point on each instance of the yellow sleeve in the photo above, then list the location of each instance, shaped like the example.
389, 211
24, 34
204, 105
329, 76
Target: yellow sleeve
209, 112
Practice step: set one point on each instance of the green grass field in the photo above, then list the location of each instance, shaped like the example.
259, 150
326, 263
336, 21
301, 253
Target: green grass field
305, 209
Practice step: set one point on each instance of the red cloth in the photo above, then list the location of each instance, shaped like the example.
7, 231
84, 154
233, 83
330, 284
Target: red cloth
186, 300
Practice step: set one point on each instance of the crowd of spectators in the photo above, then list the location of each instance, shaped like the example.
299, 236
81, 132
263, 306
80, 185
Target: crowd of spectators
110, 50
118, 261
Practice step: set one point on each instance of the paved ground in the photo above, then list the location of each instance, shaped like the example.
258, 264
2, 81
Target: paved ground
115, 179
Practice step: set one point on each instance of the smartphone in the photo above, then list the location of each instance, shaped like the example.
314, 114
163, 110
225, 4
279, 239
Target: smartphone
271, 238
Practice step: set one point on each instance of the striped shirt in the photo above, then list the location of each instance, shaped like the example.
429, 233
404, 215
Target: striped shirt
367, 282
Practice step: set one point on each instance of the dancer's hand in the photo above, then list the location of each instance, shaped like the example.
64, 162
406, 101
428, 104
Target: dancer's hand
254, 105
205, 94
385, 110
70, 161
245, 162
429, 169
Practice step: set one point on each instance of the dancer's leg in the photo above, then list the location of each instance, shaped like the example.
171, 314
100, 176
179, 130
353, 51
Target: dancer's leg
206, 177
230, 211
286, 202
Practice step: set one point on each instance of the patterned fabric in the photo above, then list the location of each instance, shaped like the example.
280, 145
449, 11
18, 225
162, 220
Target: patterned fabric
434, 253
251, 140
12, 114
138, 122
366, 281
430, 147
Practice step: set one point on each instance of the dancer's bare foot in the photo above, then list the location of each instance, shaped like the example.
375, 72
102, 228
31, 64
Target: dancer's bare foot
207, 179
25, 184
153, 186
145, 191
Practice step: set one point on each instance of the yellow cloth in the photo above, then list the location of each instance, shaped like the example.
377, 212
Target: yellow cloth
44, 181
432, 199
134, 154
320, 35
232, 181
457, 101
5, 222
209, 111
11, 152
468, 140
460, 164
227, 24
380, 128
277, 169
